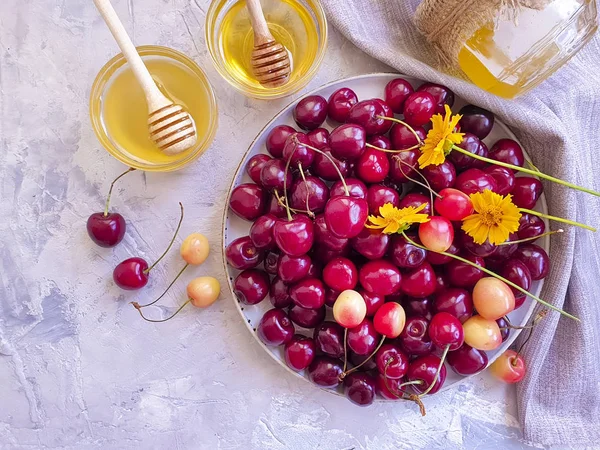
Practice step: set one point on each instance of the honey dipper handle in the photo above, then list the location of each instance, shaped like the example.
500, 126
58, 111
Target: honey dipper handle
154, 97
262, 35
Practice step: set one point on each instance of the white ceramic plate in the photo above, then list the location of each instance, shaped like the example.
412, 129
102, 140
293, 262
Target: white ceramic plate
366, 87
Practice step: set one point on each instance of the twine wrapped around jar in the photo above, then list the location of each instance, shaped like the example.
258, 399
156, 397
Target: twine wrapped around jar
448, 24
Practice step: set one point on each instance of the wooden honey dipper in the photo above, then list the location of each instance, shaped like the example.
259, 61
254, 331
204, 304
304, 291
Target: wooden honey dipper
270, 59
171, 126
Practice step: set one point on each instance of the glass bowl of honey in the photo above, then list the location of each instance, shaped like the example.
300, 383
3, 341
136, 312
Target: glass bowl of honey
300, 25
119, 112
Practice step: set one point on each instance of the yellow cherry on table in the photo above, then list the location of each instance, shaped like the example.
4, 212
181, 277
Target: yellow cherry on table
493, 298
481, 333
194, 249
203, 291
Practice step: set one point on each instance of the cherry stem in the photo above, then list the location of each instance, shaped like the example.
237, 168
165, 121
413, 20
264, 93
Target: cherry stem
403, 395
345, 354
131, 169
409, 383
136, 305
168, 318
539, 316
308, 211
170, 243
495, 275
285, 172
533, 238
283, 203
355, 368
411, 129
385, 150
334, 166
557, 219
527, 171
437, 374
426, 185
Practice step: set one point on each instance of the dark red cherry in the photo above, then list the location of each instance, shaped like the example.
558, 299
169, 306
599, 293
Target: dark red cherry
312, 191
503, 324
476, 120
505, 178
273, 175
325, 371
346, 216
505, 251
329, 339
294, 237
299, 352
404, 165
324, 237
248, 201
484, 250
367, 364
472, 144
414, 339
396, 93
323, 167
106, 230
242, 254
437, 259
442, 282
402, 137
526, 192
372, 244
404, 254
255, 165
276, 139
308, 293
251, 286
380, 141
305, 317
271, 261
372, 166
131, 274
347, 142
323, 255
418, 108
279, 294
373, 301
275, 328
275, 207
391, 361
535, 258
387, 109
363, 339
530, 226
516, 271
455, 301
446, 330
461, 274
508, 151
380, 277
467, 360
292, 269
318, 138
422, 307
378, 195
368, 113
360, 388
340, 104
310, 112
441, 94
475, 180
340, 274
425, 369
419, 282
261, 231
330, 296
415, 200
297, 151
356, 188
440, 177
389, 389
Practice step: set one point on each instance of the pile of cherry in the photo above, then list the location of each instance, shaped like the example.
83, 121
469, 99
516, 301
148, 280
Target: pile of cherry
381, 288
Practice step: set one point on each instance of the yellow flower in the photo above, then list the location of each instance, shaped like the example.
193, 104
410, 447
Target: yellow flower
394, 220
440, 139
495, 218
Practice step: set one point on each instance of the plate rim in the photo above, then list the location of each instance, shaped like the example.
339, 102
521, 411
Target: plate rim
505, 345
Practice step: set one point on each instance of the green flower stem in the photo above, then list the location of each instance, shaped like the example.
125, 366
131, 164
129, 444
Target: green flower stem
533, 238
411, 129
557, 219
524, 170
437, 374
495, 275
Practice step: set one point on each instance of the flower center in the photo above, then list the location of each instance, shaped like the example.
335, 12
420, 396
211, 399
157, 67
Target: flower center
492, 216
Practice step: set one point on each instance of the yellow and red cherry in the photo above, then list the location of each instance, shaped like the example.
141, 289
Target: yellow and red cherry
203, 291
389, 320
482, 333
453, 204
195, 249
350, 309
437, 234
493, 298
509, 367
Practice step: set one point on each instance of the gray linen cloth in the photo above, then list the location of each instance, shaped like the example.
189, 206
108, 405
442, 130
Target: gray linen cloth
559, 125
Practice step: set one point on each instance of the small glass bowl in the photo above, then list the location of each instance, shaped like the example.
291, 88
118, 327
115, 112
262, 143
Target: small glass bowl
104, 80
214, 19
